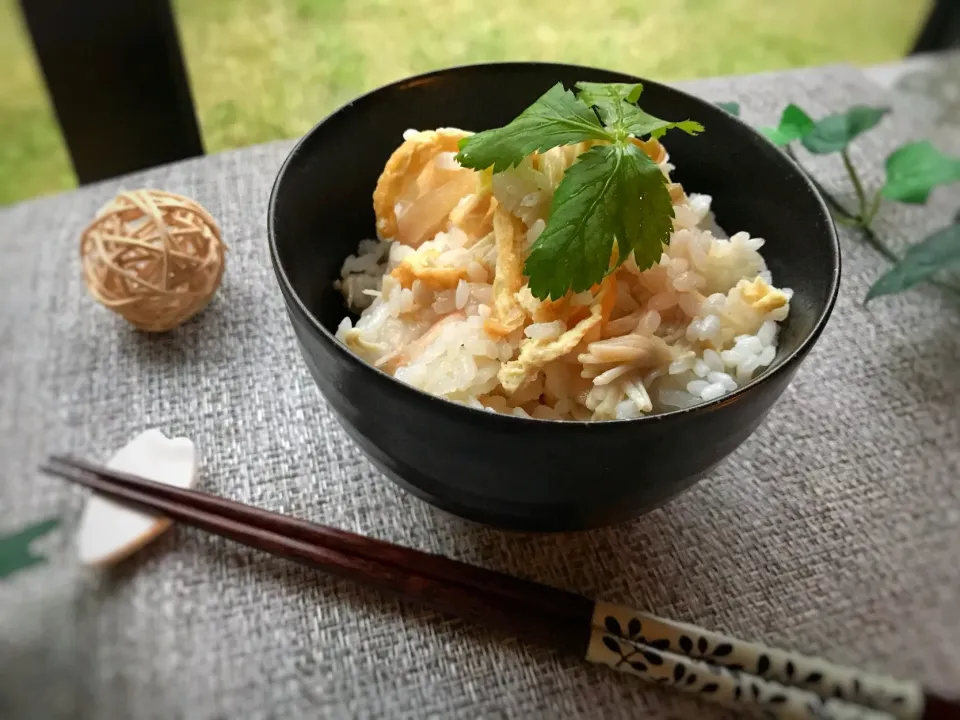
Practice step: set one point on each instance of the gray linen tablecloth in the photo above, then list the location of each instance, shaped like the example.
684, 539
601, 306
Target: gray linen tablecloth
833, 530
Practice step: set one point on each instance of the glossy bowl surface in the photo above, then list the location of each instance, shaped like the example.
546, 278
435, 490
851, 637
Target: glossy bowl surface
502, 470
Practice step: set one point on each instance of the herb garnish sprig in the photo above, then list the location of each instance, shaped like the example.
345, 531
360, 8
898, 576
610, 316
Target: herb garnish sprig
613, 192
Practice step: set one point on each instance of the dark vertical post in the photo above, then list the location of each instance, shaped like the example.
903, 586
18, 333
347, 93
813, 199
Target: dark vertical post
116, 76
941, 30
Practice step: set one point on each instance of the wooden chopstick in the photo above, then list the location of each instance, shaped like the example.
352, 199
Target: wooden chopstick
471, 603
658, 650
544, 597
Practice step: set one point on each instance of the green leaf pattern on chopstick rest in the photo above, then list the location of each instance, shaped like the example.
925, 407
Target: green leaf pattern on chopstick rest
899, 698
940, 251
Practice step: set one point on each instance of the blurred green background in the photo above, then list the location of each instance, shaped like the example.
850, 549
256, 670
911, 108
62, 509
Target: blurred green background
267, 69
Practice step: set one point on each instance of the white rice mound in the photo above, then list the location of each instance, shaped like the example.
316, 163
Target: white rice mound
693, 328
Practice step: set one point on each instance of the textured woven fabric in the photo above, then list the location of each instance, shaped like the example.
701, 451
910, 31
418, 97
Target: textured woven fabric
833, 530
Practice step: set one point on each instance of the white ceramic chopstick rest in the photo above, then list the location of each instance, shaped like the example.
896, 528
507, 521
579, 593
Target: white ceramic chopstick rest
110, 531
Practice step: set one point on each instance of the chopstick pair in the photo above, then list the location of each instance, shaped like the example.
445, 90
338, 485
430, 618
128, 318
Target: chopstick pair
719, 669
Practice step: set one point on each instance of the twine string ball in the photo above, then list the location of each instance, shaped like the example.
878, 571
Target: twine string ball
153, 257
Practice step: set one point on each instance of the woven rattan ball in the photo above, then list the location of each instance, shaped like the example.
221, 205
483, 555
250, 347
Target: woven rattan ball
153, 257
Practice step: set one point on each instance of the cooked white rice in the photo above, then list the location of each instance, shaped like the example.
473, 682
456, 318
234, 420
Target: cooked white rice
690, 329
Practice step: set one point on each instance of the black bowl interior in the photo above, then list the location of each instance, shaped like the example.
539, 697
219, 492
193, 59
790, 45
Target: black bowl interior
322, 202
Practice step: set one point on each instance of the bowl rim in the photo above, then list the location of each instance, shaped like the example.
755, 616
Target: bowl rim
290, 294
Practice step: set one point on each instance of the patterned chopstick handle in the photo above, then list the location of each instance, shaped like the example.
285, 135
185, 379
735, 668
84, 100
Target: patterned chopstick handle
739, 691
821, 679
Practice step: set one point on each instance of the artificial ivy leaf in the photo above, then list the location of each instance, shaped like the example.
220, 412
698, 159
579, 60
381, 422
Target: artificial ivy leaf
794, 125
15, 553
939, 251
556, 118
915, 169
834, 132
731, 107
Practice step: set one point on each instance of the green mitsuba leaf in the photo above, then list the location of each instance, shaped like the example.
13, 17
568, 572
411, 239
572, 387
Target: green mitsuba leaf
834, 132
915, 169
794, 125
939, 251
613, 192
612, 100
615, 104
644, 123
556, 118
15, 552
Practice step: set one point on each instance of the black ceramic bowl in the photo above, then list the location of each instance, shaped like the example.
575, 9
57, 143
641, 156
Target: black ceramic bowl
503, 470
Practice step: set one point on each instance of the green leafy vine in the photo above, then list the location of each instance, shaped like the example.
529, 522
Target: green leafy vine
15, 550
913, 170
